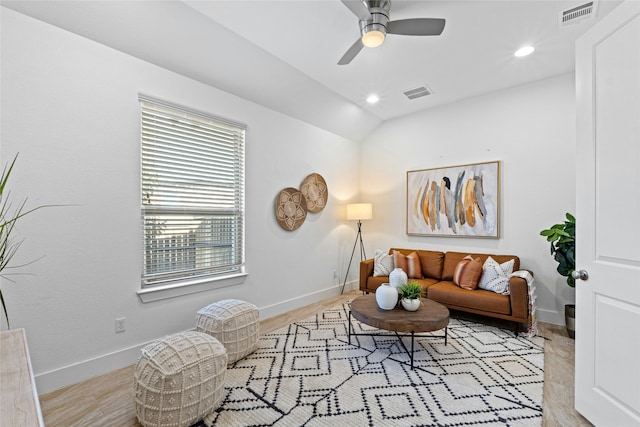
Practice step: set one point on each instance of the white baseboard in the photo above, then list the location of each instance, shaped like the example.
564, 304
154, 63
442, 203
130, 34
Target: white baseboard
549, 316
56, 379
301, 301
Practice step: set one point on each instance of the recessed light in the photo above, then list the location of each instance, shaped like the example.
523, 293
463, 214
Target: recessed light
524, 51
372, 99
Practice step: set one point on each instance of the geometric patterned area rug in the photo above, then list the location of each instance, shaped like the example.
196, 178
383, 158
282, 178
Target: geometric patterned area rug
307, 374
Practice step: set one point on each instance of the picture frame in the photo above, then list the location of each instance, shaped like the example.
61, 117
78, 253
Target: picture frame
455, 201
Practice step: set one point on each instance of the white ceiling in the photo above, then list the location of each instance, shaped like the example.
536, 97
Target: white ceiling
474, 54
283, 54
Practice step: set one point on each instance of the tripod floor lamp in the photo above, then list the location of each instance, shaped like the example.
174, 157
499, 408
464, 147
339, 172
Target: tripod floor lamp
357, 212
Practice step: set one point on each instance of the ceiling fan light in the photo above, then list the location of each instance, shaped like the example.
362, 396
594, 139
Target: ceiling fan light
373, 38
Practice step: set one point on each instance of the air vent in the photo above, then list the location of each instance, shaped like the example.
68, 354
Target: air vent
418, 92
577, 13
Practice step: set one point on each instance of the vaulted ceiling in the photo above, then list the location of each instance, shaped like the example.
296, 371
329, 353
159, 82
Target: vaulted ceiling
284, 54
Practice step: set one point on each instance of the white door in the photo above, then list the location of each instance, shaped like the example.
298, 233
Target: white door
608, 219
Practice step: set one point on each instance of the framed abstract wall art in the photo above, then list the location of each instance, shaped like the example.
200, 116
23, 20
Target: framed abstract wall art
454, 201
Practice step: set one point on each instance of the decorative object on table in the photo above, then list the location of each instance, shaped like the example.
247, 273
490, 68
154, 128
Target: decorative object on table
409, 295
291, 208
410, 304
314, 189
397, 277
235, 323
179, 380
386, 296
454, 201
562, 238
357, 212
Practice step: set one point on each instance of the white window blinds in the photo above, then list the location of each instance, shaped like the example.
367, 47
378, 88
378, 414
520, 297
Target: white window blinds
192, 195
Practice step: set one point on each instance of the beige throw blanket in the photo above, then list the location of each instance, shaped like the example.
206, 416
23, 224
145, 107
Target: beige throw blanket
532, 329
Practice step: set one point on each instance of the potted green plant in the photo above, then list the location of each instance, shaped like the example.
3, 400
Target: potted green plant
562, 238
8, 218
409, 295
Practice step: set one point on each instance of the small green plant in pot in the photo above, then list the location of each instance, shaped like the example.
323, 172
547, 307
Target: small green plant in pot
563, 248
409, 295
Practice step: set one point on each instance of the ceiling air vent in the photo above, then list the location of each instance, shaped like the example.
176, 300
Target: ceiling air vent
418, 92
578, 13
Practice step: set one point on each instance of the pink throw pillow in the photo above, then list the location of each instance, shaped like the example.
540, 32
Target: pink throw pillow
467, 273
409, 263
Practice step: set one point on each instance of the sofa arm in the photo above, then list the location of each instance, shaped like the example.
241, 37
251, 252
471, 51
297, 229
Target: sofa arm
519, 295
366, 271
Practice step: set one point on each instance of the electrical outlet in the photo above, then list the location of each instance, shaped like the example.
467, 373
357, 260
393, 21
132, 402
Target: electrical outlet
121, 324
336, 280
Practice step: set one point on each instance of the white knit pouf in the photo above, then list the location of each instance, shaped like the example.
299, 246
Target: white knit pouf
234, 323
179, 380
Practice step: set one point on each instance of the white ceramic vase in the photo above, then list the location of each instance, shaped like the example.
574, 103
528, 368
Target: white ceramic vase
397, 277
410, 304
386, 296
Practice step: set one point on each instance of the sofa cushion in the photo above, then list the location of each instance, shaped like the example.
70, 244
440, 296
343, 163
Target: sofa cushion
382, 263
409, 263
374, 282
451, 259
449, 293
495, 277
431, 262
467, 273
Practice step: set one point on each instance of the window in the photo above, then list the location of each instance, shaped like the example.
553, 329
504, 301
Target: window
192, 195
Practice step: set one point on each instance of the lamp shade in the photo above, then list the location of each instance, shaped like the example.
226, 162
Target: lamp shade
359, 211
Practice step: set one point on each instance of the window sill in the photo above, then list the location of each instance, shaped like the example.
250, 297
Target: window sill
158, 293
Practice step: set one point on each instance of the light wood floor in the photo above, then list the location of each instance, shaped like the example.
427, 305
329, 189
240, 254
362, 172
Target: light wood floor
108, 400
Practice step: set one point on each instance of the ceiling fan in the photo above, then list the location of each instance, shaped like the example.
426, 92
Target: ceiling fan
375, 25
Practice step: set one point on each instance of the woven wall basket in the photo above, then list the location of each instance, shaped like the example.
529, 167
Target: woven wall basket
291, 208
314, 189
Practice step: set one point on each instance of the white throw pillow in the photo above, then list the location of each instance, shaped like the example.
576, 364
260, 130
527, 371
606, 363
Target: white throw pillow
382, 263
495, 277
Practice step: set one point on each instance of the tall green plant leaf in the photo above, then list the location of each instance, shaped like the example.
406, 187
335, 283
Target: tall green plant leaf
8, 219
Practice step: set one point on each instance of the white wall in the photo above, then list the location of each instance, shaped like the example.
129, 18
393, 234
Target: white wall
70, 109
530, 129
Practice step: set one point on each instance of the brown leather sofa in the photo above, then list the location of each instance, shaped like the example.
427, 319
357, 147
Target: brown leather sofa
437, 282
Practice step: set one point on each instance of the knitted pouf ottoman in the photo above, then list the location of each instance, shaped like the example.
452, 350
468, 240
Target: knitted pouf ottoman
179, 380
234, 323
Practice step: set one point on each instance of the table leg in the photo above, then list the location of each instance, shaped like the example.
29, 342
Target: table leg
349, 326
445, 335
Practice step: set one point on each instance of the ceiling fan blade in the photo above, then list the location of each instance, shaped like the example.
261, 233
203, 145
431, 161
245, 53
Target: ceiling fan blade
358, 8
351, 53
416, 27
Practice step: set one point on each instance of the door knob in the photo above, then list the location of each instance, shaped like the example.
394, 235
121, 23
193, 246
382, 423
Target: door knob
580, 274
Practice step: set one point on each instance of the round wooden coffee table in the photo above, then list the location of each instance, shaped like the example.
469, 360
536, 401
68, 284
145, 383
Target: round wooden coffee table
431, 316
